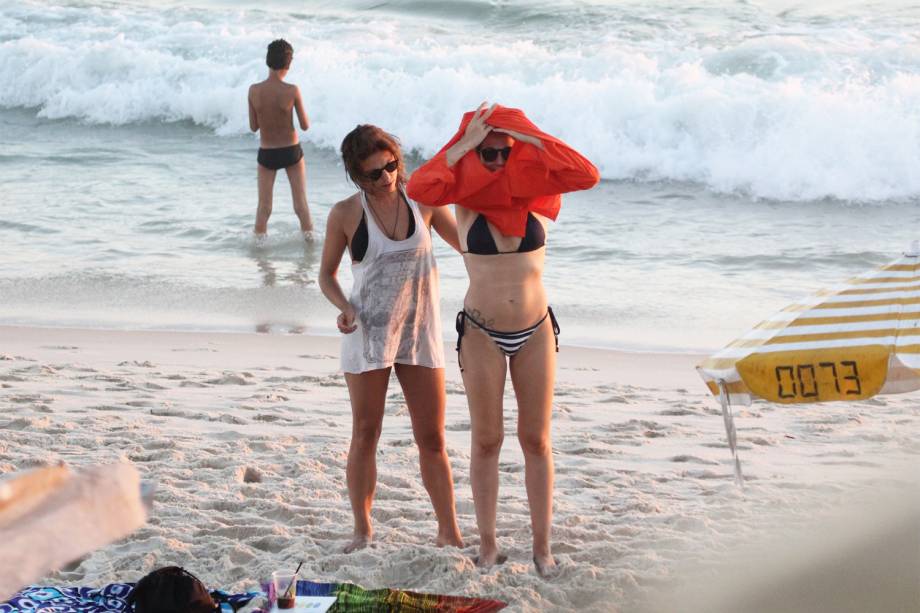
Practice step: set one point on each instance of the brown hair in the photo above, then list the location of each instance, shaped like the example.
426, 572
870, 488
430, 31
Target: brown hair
170, 589
364, 141
279, 54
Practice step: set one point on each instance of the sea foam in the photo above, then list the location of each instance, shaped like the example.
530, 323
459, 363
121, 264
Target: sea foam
822, 110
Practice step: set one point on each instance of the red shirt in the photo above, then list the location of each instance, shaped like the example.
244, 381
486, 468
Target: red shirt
531, 180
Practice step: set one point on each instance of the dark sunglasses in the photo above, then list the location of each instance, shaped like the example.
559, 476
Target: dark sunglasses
490, 154
375, 174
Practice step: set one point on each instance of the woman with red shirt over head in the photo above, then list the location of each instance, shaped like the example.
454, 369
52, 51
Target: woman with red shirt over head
506, 177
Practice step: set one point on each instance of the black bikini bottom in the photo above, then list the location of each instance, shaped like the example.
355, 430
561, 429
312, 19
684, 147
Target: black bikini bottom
280, 157
509, 342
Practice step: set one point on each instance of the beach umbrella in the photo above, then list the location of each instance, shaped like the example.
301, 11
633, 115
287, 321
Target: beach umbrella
848, 342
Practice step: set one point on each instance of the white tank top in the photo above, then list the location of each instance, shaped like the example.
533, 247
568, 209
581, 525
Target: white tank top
395, 295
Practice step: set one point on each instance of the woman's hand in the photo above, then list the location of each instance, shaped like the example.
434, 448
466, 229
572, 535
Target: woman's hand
346, 320
476, 131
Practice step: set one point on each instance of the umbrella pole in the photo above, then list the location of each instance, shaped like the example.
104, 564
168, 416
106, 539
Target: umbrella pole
729, 420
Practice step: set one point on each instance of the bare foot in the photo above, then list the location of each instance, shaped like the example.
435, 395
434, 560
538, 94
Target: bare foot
495, 558
449, 540
360, 541
546, 566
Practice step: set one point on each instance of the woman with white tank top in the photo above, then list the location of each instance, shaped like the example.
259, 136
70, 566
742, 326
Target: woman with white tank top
390, 322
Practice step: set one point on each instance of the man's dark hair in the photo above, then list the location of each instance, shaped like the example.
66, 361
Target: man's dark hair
280, 53
170, 589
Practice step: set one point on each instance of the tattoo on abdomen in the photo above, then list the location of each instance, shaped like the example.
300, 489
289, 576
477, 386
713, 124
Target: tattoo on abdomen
478, 318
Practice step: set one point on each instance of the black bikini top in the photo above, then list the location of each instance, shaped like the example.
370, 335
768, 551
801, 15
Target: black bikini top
359, 238
479, 239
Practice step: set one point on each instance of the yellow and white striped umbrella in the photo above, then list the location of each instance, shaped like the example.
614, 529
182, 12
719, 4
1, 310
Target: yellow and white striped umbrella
846, 343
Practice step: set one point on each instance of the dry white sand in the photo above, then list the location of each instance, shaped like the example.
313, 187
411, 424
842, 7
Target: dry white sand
246, 436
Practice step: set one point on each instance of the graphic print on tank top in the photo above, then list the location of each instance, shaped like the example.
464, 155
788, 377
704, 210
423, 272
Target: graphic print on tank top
392, 291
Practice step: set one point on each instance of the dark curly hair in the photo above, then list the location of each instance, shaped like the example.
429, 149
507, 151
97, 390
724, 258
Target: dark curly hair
280, 53
170, 589
364, 141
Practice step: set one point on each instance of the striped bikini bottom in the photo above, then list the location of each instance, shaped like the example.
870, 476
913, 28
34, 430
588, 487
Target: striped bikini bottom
509, 342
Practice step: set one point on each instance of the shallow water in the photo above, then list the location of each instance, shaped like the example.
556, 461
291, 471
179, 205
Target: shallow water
751, 153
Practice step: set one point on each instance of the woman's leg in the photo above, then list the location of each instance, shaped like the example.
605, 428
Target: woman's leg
368, 391
266, 181
297, 176
425, 396
484, 372
533, 373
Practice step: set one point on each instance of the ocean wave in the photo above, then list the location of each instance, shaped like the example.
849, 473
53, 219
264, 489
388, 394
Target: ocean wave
783, 113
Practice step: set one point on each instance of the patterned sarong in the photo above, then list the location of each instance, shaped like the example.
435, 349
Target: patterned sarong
94, 600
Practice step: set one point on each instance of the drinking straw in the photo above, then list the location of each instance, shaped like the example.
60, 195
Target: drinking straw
293, 579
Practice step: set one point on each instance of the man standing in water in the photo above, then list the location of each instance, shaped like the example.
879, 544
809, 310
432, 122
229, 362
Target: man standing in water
272, 104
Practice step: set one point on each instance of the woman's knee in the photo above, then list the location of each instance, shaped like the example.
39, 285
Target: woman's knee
430, 442
488, 444
535, 444
365, 434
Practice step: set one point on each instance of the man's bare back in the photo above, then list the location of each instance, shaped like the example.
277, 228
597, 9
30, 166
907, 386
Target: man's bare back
272, 105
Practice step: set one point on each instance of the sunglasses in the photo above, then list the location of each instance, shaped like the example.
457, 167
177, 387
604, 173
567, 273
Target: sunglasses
375, 174
490, 154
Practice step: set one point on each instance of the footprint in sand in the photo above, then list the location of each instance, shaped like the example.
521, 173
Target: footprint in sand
271, 397
693, 459
230, 419
24, 398
140, 403
230, 378
28, 423
249, 475
272, 543
677, 412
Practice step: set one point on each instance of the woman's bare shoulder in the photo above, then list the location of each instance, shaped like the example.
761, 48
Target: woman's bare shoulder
347, 210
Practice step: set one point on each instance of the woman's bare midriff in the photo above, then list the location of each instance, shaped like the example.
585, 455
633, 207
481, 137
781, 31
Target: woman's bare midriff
506, 291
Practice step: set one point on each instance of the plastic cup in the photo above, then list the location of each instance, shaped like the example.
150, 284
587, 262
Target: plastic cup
285, 582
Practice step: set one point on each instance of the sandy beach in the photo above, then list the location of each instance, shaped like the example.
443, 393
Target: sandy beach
246, 436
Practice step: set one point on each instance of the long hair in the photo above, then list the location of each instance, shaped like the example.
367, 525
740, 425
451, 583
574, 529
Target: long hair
364, 141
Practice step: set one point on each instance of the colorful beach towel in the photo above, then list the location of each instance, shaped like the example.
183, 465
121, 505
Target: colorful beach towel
353, 599
95, 600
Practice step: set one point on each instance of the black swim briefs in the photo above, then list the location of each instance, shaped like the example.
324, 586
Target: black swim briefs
281, 157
